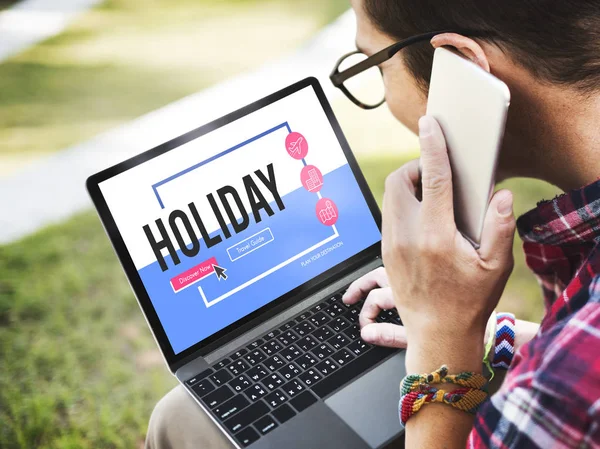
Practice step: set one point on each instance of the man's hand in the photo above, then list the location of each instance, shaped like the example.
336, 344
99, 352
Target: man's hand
374, 286
443, 288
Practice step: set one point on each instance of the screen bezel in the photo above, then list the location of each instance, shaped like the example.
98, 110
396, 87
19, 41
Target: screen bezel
275, 306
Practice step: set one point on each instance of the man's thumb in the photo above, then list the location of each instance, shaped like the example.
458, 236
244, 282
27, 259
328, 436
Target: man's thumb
498, 229
384, 334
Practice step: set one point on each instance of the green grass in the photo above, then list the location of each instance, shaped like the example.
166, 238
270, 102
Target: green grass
129, 57
79, 366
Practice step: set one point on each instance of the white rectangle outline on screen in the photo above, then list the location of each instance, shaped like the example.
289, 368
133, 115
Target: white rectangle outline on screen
254, 249
268, 272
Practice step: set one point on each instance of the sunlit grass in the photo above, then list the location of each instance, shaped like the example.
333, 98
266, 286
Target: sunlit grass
129, 57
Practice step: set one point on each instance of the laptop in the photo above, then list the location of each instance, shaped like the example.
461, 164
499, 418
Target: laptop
239, 239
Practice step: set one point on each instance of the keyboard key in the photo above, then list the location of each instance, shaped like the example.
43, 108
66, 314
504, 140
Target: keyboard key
352, 315
353, 332
327, 367
334, 310
338, 342
287, 326
319, 307
221, 377
359, 347
322, 351
275, 399
255, 392
319, 319
293, 388
283, 413
203, 387
291, 353
272, 347
265, 424
238, 354
271, 335
218, 396
350, 371
231, 407
199, 377
257, 373
323, 333
339, 324
342, 357
255, 344
240, 383
307, 343
238, 367
332, 299
303, 401
274, 363
287, 338
303, 317
304, 328
306, 361
273, 381
247, 416
247, 436
289, 371
255, 357
222, 364
310, 377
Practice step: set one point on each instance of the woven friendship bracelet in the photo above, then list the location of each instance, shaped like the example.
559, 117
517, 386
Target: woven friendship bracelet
504, 348
464, 399
414, 382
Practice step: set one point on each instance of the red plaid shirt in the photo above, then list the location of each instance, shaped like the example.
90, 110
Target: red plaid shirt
551, 395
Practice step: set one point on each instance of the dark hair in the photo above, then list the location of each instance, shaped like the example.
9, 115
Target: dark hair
557, 40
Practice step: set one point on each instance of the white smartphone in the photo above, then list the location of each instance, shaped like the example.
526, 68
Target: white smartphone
471, 106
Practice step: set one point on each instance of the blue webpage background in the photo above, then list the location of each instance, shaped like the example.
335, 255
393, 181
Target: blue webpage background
184, 315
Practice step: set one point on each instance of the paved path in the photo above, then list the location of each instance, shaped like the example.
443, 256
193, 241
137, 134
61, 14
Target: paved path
31, 21
52, 189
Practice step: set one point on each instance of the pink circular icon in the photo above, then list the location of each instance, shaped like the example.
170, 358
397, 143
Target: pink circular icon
296, 145
312, 178
327, 212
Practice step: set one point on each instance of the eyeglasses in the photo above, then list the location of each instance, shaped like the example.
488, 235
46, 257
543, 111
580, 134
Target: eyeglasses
360, 77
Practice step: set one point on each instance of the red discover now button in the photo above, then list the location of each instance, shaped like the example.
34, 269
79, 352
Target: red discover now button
193, 275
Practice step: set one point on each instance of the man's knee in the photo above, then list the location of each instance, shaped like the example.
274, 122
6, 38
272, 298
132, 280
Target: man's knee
177, 422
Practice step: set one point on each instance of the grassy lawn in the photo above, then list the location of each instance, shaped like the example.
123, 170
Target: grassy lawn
128, 57
80, 367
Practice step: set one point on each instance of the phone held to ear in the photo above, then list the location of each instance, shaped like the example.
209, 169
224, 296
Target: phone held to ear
471, 106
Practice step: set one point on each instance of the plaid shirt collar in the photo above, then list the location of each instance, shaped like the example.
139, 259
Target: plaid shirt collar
559, 238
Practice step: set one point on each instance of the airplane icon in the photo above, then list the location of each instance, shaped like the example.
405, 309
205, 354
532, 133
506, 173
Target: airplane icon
296, 146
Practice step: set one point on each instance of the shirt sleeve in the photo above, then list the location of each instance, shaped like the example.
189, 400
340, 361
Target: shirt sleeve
549, 398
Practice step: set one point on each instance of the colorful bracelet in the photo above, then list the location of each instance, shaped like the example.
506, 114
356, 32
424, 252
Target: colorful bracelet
464, 399
488, 349
414, 382
504, 348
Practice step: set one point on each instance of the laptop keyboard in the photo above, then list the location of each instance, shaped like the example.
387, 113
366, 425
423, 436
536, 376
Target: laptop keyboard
256, 389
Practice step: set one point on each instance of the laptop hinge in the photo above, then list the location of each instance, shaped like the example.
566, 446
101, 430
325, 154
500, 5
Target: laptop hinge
191, 368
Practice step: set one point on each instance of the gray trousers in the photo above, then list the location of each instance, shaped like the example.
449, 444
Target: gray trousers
177, 422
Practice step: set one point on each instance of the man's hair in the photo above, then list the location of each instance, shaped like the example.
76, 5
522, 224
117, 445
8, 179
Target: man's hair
557, 40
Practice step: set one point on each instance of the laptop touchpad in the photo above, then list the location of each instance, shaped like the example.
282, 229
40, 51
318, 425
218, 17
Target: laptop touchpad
369, 405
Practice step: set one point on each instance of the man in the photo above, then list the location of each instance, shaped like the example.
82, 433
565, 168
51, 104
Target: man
548, 53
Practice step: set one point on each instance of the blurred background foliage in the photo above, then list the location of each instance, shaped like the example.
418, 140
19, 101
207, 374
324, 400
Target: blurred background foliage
79, 367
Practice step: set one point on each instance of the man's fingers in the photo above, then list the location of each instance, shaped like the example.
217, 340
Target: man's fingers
498, 229
360, 288
384, 334
377, 300
436, 176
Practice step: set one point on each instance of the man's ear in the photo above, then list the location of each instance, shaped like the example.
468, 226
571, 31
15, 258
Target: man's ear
465, 45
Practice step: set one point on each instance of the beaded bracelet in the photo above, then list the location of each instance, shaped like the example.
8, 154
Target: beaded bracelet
504, 348
413, 382
464, 399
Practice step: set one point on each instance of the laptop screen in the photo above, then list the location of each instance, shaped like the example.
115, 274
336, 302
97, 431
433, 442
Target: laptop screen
236, 218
